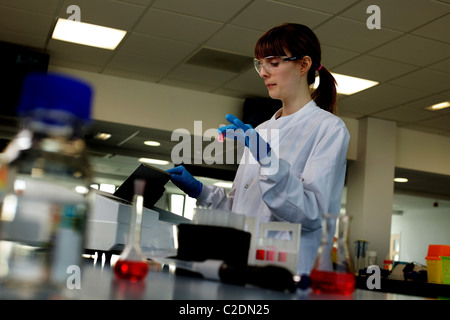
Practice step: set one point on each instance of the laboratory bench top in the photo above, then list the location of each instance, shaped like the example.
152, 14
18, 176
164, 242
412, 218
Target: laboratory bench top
100, 283
179, 295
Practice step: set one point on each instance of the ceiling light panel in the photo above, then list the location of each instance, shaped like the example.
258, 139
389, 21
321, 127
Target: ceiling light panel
348, 85
87, 34
439, 106
153, 161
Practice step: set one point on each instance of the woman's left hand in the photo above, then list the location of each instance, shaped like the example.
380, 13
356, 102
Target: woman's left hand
245, 134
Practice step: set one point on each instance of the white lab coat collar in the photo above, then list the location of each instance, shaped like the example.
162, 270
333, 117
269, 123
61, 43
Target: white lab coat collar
278, 122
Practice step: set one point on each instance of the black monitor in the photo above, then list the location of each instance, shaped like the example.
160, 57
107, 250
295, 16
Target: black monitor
155, 180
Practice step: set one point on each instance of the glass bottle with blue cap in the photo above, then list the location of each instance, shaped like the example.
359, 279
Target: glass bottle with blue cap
45, 194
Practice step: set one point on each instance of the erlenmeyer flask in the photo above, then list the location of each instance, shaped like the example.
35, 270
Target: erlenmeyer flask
333, 270
132, 264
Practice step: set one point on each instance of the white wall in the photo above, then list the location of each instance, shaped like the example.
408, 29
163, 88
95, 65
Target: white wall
420, 227
154, 105
423, 151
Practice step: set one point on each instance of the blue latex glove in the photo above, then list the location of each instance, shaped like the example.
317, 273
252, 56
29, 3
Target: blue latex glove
245, 132
185, 181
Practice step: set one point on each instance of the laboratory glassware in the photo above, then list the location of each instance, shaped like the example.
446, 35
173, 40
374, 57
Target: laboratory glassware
333, 270
360, 254
45, 190
132, 264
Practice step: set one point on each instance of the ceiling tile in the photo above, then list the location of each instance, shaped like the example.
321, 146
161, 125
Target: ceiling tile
402, 15
263, 15
186, 84
421, 104
349, 114
360, 106
139, 64
177, 27
42, 6
390, 95
26, 22
235, 39
414, 50
373, 68
424, 79
332, 57
129, 74
330, 6
441, 122
157, 48
353, 35
143, 3
437, 30
209, 9
206, 76
443, 65
78, 53
405, 114
106, 13
23, 39
248, 83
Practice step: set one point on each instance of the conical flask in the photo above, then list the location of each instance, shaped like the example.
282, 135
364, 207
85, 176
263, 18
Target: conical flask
132, 264
333, 270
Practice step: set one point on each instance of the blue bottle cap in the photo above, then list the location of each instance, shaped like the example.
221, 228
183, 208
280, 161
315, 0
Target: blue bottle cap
47, 91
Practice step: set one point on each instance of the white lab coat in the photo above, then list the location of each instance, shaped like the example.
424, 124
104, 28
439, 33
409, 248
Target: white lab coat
309, 181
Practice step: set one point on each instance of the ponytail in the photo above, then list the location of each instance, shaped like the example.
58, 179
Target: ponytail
325, 95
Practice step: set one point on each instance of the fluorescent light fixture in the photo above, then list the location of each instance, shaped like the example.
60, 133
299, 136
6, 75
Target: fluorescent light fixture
349, 85
401, 180
439, 106
154, 161
102, 136
107, 187
152, 143
81, 189
87, 34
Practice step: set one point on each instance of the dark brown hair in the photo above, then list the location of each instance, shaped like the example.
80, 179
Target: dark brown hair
300, 41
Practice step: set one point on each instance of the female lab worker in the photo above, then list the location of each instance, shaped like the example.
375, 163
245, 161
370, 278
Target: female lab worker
299, 172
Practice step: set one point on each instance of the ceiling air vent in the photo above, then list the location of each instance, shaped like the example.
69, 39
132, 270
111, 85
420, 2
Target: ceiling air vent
221, 60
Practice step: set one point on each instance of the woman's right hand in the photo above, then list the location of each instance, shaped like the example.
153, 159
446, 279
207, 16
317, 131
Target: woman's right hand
185, 181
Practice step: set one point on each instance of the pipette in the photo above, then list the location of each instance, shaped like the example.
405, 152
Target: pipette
269, 277
132, 263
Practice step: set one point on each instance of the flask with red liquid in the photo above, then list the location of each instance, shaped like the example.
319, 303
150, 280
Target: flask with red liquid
333, 270
132, 264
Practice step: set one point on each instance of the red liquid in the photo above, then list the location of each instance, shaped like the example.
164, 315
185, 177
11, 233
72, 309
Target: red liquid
260, 254
332, 282
131, 270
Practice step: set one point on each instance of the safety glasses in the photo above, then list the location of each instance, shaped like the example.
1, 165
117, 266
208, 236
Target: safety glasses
271, 63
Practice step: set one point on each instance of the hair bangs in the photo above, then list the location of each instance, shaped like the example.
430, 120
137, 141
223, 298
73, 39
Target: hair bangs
270, 44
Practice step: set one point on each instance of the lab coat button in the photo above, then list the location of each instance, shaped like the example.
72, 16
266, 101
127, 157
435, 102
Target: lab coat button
246, 186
